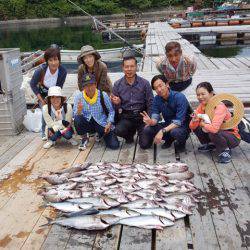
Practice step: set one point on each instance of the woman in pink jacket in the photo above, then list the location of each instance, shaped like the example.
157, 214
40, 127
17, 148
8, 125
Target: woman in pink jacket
211, 136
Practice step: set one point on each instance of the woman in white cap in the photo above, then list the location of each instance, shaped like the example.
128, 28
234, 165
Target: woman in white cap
58, 117
90, 62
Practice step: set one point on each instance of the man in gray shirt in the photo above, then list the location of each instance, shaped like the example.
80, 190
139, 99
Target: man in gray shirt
131, 95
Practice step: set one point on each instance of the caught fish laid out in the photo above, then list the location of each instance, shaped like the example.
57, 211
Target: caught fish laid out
147, 222
96, 196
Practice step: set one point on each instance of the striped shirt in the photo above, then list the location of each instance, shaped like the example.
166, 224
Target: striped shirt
183, 72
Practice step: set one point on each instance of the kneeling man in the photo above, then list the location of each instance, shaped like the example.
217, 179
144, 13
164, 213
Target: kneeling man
174, 108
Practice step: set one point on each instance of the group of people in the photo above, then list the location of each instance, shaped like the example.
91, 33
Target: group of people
129, 106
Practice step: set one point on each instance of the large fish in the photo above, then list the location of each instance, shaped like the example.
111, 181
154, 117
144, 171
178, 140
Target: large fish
140, 204
69, 206
89, 222
181, 176
176, 207
55, 178
156, 211
121, 213
146, 221
75, 168
62, 195
97, 202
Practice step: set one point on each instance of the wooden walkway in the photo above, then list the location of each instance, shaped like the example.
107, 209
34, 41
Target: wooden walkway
231, 75
221, 219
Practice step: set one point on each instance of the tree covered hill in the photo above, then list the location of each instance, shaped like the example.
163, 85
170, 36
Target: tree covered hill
20, 9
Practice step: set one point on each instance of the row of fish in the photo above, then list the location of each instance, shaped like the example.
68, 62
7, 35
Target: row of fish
95, 196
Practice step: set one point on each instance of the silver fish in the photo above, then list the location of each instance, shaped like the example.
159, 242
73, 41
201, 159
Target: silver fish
82, 179
178, 214
98, 202
156, 211
147, 222
75, 168
89, 222
181, 176
140, 204
80, 213
121, 213
56, 179
62, 195
68, 206
177, 207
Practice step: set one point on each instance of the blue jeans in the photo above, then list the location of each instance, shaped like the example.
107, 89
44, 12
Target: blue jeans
179, 134
57, 135
83, 127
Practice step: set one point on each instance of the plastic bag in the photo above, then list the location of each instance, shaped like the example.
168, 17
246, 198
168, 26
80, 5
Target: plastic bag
33, 120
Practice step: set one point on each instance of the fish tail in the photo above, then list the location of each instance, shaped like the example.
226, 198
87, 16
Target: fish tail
50, 222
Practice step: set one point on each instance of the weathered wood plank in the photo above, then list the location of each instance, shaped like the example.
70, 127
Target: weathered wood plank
6, 142
38, 234
201, 223
15, 149
223, 219
21, 221
237, 198
16, 221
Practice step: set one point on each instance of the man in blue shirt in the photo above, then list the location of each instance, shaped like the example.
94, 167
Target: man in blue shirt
174, 108
93, 112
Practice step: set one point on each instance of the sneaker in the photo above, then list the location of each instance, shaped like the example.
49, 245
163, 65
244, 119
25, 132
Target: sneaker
225, 156
83, 144
48, 144
206, 147
97, 137
44, 138
73, 142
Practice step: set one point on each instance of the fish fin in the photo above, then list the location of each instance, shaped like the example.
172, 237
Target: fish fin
50, 222
103, 221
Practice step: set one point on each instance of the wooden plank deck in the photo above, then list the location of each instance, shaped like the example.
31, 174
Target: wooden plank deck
220, 221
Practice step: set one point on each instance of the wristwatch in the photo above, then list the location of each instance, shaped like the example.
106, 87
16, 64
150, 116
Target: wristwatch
164, 131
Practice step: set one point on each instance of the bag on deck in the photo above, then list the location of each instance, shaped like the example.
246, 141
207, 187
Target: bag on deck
244, 129
33, 120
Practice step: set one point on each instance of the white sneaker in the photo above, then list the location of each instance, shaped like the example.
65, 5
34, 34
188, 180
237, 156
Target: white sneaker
44, 138
83, 144
73, 142
48, 144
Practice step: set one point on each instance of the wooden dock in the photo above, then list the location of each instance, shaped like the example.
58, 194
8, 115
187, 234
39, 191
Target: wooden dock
231, 75
220, 220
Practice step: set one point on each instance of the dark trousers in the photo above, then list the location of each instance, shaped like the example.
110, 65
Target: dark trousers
222, 140
180, 86
57, 135
43, 121
179, 134
127, 126
83, 127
